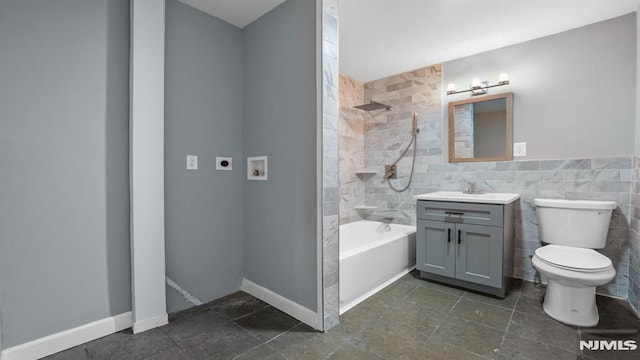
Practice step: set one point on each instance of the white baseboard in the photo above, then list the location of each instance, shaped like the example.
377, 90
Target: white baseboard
151, 323
67, 339
280, 302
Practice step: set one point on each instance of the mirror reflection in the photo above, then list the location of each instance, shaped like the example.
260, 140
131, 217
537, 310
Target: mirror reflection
480, 129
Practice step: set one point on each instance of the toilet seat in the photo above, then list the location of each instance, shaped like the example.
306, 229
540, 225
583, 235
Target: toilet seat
573, 258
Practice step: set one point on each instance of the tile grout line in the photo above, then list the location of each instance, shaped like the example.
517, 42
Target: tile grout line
255, 336
231, 321
468, 351
529, 339
366, 349
268, 342
251, 313
513, 311
277, 351
474, 321
349, 339
540, 342
347, 342
446, 315
284, 332
173, 341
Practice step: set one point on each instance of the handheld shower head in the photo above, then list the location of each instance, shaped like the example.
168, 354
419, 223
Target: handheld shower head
414, 128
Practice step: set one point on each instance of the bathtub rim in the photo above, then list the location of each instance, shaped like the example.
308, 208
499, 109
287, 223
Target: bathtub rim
406, 231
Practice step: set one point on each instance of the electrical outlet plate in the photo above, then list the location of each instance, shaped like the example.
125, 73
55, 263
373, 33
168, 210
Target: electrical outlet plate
520, 149
192, 162
224, 163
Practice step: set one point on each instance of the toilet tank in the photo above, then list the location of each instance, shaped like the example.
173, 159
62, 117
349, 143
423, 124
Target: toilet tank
578, 223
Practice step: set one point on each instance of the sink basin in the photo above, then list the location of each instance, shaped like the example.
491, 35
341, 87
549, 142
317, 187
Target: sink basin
459, 196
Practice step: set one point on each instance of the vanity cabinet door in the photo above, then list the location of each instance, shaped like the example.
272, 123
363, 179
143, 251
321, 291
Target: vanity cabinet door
436, 247
479, 254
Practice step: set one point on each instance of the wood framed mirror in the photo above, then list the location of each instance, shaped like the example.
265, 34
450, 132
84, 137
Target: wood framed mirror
481, 129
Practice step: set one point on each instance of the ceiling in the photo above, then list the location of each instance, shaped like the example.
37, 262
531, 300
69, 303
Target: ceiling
236, 12
379, 38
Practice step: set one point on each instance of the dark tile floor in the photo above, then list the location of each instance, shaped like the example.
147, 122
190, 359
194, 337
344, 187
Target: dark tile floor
411, 319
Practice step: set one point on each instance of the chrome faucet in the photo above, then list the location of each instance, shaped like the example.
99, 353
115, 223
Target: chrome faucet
472, 188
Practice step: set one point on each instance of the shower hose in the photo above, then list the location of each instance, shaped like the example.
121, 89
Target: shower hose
414, 134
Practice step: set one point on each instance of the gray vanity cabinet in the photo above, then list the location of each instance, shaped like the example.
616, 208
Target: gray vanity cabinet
466, 244
436, 256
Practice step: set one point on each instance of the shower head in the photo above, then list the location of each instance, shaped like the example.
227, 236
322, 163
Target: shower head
373, 105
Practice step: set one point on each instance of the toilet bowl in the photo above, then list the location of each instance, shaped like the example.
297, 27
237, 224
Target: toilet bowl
572, 229
572, 276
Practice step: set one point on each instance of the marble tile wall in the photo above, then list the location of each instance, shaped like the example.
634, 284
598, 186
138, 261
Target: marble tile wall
351, 149
634, 239
330, 273
387, 133
592, 178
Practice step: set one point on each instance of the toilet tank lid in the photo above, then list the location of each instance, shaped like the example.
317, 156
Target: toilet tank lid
576, 204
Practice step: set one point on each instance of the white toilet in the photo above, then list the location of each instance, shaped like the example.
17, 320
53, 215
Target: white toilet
572, 228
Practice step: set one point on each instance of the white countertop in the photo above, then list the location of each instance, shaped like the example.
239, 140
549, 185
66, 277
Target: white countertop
459, 196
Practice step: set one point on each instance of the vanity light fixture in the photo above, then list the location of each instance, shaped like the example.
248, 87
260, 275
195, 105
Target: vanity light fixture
478, 87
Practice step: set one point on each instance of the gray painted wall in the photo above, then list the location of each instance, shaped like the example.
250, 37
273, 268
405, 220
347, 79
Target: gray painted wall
577, 83
64, 214
203, 116
634, 223
146, 164
637, 124
1, 331
280, 121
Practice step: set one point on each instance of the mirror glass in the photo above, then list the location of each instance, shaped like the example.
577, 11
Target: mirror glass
480, 129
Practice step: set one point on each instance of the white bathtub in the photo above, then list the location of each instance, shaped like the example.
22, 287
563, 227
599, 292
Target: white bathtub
373, 255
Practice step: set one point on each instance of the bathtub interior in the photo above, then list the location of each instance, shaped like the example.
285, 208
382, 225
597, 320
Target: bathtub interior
365, 232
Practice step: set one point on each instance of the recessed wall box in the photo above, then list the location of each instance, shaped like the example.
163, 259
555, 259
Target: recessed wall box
257, 168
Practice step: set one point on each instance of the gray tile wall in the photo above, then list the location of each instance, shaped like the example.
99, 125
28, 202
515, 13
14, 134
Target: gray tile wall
330, 162
387, 133
351, 148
